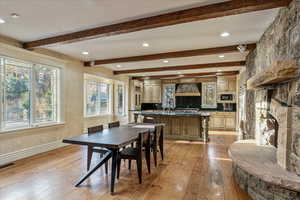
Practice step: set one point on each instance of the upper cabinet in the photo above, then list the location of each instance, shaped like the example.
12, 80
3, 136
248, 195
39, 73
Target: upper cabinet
209, 95
168, 96
152, 91
226, 84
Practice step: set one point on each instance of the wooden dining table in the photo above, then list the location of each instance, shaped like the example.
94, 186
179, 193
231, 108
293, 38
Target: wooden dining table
113, 139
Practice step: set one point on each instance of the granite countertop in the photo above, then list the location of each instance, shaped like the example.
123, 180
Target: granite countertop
172, 113
261, 162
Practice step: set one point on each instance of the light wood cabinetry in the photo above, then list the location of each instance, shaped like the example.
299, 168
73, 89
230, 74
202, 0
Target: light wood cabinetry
226, 84
152, 92
222, 121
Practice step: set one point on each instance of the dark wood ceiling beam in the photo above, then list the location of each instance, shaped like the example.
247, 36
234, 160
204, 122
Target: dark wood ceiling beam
178, 17
177, 54
186, 75
183, 67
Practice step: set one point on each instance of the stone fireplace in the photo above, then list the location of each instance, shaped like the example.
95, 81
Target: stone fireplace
274, 125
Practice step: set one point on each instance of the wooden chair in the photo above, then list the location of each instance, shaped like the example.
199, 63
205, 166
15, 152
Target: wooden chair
92, 149
114, 124
156, 139
136, 153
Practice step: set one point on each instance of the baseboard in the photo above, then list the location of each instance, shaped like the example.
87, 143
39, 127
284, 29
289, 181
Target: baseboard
24, 153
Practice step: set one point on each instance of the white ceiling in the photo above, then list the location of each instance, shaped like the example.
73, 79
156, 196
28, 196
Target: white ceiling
44, 18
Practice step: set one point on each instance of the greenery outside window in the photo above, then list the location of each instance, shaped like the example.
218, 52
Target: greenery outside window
120, 99
97, 100
29, 94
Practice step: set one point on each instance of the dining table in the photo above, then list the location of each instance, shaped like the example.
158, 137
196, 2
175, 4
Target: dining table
112, 139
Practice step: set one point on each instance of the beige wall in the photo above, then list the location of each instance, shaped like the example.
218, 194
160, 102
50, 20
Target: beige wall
72, 104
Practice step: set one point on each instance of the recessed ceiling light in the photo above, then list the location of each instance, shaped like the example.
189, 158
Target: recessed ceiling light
225, 34
15, 15
219, 70
145, 44
221, 56
119, 66
166, 61
2, 21
85, 53
181, 75
178, 72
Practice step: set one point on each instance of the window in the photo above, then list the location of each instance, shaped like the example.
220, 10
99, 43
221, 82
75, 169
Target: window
97, 98
29, 94
120, 101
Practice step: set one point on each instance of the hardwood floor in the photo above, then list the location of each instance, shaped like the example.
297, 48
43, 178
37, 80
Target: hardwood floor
191, 171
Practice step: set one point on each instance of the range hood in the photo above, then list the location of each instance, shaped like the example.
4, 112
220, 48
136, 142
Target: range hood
187, 89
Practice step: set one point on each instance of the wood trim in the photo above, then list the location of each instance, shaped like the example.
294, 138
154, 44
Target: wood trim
176, 54
182, 67
183, 16
186, 75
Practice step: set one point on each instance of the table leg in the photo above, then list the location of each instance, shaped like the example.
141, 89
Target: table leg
161, 143
104, 159
113, 170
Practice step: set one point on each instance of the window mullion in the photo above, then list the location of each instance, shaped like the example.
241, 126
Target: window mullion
32, 94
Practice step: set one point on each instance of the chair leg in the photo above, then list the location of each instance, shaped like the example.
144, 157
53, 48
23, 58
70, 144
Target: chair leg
161, 146
139, 169
106, 167
118, 167
129, 164
148, 153
155, 154
89, 157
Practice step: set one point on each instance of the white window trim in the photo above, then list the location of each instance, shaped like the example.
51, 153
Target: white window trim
116, 99
110, 93
31, 124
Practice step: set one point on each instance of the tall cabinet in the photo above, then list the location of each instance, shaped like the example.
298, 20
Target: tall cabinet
152, 91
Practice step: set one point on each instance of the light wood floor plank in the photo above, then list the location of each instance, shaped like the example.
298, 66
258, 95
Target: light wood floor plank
190, 171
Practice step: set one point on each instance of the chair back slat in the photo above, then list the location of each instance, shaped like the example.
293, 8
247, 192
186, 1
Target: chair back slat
95, 129
114, 124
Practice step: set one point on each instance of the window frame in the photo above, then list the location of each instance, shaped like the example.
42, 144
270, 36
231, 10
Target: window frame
117, 99
109, 102
32, 66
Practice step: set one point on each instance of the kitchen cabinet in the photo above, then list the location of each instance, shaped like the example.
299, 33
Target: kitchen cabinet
226, 84
168, 100
222, 121
152, 92
209, 95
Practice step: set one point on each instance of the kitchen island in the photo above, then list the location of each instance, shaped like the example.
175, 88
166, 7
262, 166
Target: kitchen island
180, 125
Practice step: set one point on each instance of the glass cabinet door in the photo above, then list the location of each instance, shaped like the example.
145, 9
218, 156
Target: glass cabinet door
168, 96
209, 95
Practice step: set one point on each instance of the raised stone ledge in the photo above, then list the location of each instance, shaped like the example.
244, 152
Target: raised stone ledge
260, 161
280, 71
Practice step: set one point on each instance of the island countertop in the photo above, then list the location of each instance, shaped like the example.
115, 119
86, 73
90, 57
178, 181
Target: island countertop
179, 114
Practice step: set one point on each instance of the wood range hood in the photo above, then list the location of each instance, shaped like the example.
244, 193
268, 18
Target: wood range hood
280, 71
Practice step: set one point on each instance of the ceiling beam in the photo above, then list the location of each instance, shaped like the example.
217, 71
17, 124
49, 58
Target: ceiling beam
178, 17
186, 75
176, 54
182, 67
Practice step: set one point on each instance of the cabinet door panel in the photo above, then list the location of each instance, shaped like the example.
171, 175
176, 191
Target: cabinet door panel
156, 94
219, 122
147, 94
230, 123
